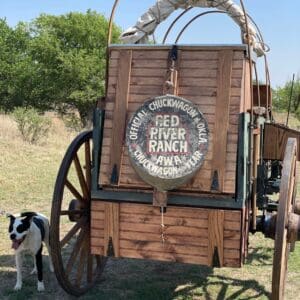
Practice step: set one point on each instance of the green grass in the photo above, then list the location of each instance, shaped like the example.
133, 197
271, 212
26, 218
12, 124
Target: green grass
27, 176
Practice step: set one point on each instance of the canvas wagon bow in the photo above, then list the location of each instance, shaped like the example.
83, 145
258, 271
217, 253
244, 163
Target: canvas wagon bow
182, 158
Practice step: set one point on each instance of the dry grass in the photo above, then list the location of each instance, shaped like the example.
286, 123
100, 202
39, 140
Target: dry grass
27, 175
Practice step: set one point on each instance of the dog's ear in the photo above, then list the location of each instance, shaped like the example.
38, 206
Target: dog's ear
28, 215
10, 216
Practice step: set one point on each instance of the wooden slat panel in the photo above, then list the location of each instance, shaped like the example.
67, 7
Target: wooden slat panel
122, 93
191, 233
198, 83
97, 227
222, 116
275, 139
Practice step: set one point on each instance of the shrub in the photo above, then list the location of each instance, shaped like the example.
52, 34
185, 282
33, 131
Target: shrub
32, 125
72, 122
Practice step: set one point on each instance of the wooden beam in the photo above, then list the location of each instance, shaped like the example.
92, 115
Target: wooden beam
111, 229
222, 118
120, 112
215, 238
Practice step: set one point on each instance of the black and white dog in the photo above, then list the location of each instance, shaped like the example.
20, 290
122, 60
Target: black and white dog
27, 232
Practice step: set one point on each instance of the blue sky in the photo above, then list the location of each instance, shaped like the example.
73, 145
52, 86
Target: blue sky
280, 25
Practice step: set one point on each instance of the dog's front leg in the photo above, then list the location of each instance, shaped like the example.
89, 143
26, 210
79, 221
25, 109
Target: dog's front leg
18, 285
39, 265
34, 270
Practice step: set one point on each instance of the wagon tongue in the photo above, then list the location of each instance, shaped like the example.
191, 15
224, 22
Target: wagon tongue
16, 243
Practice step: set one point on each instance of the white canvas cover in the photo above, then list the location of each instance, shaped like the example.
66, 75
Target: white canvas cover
147, 23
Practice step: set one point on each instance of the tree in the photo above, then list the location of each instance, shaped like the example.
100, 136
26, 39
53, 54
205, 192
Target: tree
281, 97
54, 62
13, 64
69, 55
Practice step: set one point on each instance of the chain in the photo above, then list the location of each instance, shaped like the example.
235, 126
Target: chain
162, 226
170, 83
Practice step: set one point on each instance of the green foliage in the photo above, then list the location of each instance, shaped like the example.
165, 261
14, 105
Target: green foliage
32, 126
72, 122
13, 64
54, 62
70, 54
281, 97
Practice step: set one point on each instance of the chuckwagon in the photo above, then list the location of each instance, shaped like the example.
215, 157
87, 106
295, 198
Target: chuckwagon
181, 161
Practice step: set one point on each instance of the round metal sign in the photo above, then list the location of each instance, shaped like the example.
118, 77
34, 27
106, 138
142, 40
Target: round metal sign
167, 139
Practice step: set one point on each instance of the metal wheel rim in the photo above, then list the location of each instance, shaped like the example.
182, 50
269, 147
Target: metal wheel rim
84, 229
286, 202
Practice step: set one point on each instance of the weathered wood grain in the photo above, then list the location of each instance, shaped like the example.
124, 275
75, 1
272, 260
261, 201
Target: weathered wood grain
222, 115
121, 103
198, 82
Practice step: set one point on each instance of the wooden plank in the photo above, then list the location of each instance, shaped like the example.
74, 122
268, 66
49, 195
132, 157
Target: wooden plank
154, 237
170, 230
183, 47
215, 236
275, 139
174, 257
97, 241
184, 212
147, 55
111, 228
231, 215
168, 221
96, 205
97, 224
97, 232
232, 263
97, 215
166, 247
97, 250
222, 117
121, 103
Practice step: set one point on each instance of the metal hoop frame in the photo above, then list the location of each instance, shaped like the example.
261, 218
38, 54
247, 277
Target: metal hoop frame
252, 64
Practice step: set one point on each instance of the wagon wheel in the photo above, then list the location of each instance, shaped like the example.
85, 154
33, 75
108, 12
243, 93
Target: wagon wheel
75, 267
286, 204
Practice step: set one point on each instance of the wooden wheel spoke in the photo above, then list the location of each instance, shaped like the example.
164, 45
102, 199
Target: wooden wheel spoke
74, 191
81, 178
88, 164
75, 252
72, 232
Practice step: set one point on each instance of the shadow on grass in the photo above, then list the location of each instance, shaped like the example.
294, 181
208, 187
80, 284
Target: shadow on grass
143, 279
260, 256
137, 279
